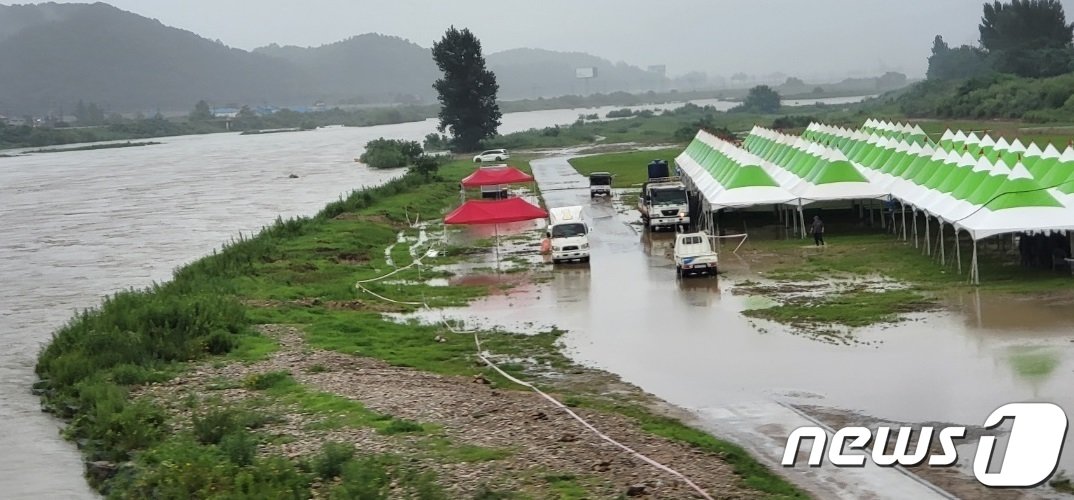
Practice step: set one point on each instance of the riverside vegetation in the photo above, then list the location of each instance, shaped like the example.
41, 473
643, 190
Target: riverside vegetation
100, 370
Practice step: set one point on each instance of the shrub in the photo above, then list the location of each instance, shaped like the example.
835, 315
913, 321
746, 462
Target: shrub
182, 468
792, 121
437, 142
111, 425
761, 99
240, 447
400, 426
620, 113
390, 153
328, 464
426, 166
211, 427
262, 381
384, 158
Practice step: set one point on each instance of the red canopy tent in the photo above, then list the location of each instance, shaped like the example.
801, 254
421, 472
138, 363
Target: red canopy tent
495, 176
495, 212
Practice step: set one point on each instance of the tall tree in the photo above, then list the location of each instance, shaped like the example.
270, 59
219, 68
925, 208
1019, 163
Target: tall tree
1028, 37
201, 112
467, 91
957, 63
1025, 25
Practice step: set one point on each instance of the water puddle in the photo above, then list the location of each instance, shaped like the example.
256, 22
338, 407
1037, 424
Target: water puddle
688, 342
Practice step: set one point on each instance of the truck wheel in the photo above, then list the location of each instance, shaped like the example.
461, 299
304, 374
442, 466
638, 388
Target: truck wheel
678, 271
585, 260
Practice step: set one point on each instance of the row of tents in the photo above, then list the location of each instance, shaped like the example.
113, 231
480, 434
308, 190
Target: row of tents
974, 184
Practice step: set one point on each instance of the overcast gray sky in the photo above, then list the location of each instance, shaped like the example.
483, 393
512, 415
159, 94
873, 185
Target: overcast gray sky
814, 38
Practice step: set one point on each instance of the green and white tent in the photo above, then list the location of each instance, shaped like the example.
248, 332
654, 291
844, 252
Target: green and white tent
726, 176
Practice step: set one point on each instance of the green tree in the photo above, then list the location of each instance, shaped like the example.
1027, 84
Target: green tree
1028, 37
201, 112
80, 114
467, 91
958, 63
761, 99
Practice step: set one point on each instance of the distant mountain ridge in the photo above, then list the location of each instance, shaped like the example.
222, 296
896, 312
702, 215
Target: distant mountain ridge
53, 55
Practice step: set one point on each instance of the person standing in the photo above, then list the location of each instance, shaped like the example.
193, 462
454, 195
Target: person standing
818, 231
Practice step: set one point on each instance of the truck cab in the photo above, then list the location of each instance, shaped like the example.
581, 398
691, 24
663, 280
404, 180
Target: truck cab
568, 234
600, 184
694, 254
663, 201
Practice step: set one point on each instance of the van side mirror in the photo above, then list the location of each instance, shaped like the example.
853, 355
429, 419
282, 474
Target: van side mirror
548, 234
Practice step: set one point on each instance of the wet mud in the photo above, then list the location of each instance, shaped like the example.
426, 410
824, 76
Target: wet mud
688, 342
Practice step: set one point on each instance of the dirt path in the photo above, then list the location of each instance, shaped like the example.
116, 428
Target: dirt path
538, 441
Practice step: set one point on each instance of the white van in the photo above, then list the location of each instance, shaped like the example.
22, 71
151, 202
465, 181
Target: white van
568, 233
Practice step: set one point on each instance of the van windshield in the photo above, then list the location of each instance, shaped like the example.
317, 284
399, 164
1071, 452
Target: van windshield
568, 230
668, 197
600, 180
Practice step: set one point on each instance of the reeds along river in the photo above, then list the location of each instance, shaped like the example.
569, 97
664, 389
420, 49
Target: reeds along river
80, 225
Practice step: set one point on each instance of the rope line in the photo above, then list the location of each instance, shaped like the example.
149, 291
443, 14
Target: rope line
480, 354
589, 426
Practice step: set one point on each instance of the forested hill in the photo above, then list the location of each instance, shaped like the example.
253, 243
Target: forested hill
364, 68
126, 62
531, 73
53, 55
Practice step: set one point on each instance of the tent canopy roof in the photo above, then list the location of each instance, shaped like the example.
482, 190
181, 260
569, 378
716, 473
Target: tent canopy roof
494, 212
495, 176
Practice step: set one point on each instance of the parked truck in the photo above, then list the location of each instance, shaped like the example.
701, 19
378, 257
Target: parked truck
663, 201
694, 254
568, 234
600, 184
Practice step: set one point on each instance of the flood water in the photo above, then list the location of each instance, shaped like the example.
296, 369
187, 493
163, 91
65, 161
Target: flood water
80, 225
687, 342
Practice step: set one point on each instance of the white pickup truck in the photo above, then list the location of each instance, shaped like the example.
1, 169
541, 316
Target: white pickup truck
694, 254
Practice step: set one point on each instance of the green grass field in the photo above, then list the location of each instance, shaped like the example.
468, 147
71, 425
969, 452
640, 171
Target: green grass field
1059, 135
629, 169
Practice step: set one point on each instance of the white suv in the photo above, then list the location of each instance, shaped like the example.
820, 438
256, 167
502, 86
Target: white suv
492, 155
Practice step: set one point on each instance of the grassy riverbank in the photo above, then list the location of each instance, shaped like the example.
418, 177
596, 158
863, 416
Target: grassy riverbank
242, 376
94, 147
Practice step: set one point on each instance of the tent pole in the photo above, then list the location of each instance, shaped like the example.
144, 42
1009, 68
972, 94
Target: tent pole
914, 214
928, 236
792, 222
801, 216
497, 230
975, 278
958, 251
903, 210
943, 257
872, 213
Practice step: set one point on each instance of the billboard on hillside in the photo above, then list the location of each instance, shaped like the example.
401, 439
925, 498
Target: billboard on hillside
589, 72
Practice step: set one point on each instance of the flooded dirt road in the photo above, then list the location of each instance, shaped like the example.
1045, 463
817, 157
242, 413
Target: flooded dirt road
688, 343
